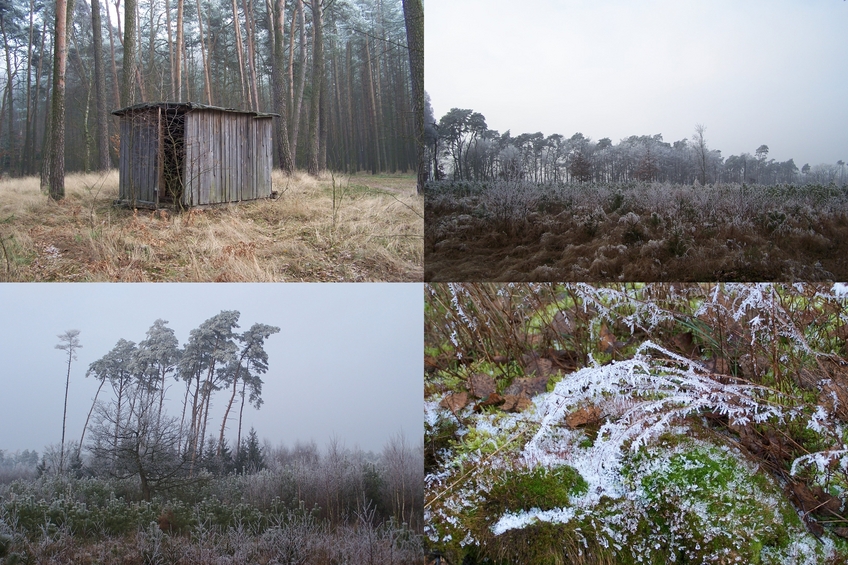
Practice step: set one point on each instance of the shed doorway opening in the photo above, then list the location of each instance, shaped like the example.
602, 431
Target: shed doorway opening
172, 139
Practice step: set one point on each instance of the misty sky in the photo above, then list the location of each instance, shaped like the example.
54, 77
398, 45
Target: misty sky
347, 361
754, 72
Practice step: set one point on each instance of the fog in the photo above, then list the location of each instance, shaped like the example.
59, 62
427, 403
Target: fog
347, 362
758, 72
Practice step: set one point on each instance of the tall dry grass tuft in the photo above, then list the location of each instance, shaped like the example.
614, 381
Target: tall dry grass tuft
370, 228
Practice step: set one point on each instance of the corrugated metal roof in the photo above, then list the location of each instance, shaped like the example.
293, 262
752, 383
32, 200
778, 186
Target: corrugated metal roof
187, 106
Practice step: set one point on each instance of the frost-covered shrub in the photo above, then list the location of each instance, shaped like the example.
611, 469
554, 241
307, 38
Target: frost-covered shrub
687, 399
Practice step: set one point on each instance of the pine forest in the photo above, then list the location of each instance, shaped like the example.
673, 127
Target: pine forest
337, 72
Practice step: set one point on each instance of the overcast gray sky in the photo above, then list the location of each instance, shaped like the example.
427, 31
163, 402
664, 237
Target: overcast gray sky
347, 361
754, 72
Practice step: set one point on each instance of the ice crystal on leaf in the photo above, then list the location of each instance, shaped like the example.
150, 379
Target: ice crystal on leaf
661, 391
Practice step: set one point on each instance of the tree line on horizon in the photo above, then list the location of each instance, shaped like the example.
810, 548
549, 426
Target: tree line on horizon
460, 146
338, 73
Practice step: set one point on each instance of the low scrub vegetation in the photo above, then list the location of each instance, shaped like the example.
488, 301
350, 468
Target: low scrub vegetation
298, 505
521, 231
636, 423
357, 228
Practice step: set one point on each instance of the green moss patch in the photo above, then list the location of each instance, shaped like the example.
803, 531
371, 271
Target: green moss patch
707, 504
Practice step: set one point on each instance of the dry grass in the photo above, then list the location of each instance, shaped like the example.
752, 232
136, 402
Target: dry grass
645, 232
358, 228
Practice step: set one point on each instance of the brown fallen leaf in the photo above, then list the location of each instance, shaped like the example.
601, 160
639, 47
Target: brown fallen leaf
583, 416
516, 403
535, 364
528, 387
481, 385
826, 502
493, 399
607, 342
718, 365
685, 343
455, 402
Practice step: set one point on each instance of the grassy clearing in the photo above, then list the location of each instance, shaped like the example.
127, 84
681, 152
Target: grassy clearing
334, 228
519, 231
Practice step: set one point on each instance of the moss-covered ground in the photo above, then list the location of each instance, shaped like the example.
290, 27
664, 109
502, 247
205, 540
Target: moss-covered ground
678, 425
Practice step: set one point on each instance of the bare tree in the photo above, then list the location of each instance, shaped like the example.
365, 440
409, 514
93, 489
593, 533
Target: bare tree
148, 444
404, 472
701, 151
70, 343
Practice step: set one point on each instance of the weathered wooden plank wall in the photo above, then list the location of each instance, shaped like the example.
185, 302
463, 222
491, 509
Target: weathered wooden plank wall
228, 156
138, 165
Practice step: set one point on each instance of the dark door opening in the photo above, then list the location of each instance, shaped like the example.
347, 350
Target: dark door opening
173, 155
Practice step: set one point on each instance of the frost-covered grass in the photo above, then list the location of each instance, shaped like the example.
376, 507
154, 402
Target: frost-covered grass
518, 230
681, 424
307, 508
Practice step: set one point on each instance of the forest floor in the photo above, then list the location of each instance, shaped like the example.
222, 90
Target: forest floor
637, 423
519, 231
334, 228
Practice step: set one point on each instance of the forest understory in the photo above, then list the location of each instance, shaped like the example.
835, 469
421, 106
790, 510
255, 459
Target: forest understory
520, 231
636, 423
334, 228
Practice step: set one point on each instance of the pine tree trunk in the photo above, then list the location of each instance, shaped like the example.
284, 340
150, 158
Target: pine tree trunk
240, 51
26, 151
127, 90
300, 83
283, 148
116, 92
251, 54
64, 16
375, 157
203, 55
104, 161
313, 165
169, 33
178, 51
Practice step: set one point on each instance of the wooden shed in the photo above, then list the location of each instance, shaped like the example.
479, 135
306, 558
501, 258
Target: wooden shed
187, 154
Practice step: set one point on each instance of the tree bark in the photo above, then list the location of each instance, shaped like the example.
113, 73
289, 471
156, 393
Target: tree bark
10, 77
203, 55
313, 165
251, 55
169, 33
283, 148
178, 51
87, 418
375, 157
240, 51
300, 84
116, 92
64, 17
104, 161
26, 152
127, 90
413, 14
